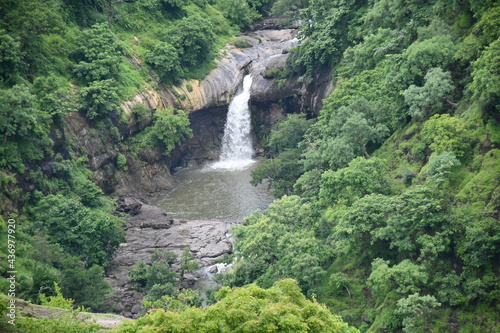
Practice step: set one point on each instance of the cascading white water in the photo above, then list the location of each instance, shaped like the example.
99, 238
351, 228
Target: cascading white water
237, 148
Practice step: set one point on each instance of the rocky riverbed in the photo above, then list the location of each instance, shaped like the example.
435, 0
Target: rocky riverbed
150, 229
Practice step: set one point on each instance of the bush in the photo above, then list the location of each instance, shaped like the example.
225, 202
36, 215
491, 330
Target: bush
121, 162
57, 301
159, 290
141, 113
11, 63
238, 12
281, 308
158, 276
99, 99
85, 285
99, 53
241, 43
169, 129
90, 234
437, 87
440, 166
446, 133
193, 39
165, 60
287, 133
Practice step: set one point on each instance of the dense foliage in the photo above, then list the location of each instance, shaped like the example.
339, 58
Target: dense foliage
281, 308
389, 201
66, 63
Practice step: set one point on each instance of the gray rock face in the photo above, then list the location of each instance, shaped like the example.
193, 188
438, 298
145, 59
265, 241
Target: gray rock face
222, 83
152, 229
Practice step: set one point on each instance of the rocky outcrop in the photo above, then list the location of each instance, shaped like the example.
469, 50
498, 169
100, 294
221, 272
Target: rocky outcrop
152, 229
222, 83
149, 174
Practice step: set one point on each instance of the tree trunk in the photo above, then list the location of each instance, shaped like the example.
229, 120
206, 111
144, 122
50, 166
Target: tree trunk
454, 105
365, 152
348, 291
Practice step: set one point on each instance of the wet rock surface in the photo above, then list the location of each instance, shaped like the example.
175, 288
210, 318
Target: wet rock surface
153, 229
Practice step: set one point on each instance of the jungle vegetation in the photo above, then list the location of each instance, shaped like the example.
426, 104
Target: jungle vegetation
387, 209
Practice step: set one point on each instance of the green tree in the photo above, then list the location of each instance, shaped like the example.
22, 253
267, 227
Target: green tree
281, 243
281, 172
415, 311
355, 227
57, 301
11, 63
287, 133
99, 54
29, 23
282, 308
239, 12
403, 14
18, 115
308, 184
446, 133
164, 59
99, 99
158, 291
85, 285
437, 88
89, 234
53, 97
194, 40
367, 54
188, 262
281, 7
481, 242
440, 166
139, 276
344, 135
485, 86
404, 278
413, 224
362, 177
159, 274
419, 58
169, 129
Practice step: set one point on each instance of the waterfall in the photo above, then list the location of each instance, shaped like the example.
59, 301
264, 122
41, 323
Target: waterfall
237, 148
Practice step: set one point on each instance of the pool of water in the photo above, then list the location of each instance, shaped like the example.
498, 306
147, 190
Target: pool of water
213, 192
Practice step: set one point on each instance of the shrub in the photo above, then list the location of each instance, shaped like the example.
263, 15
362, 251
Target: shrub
165, 60
281, 308
99, 53
169, 129
446, 133
121, 162
99, 99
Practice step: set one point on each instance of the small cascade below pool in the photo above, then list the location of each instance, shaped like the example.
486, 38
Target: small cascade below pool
237, 146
